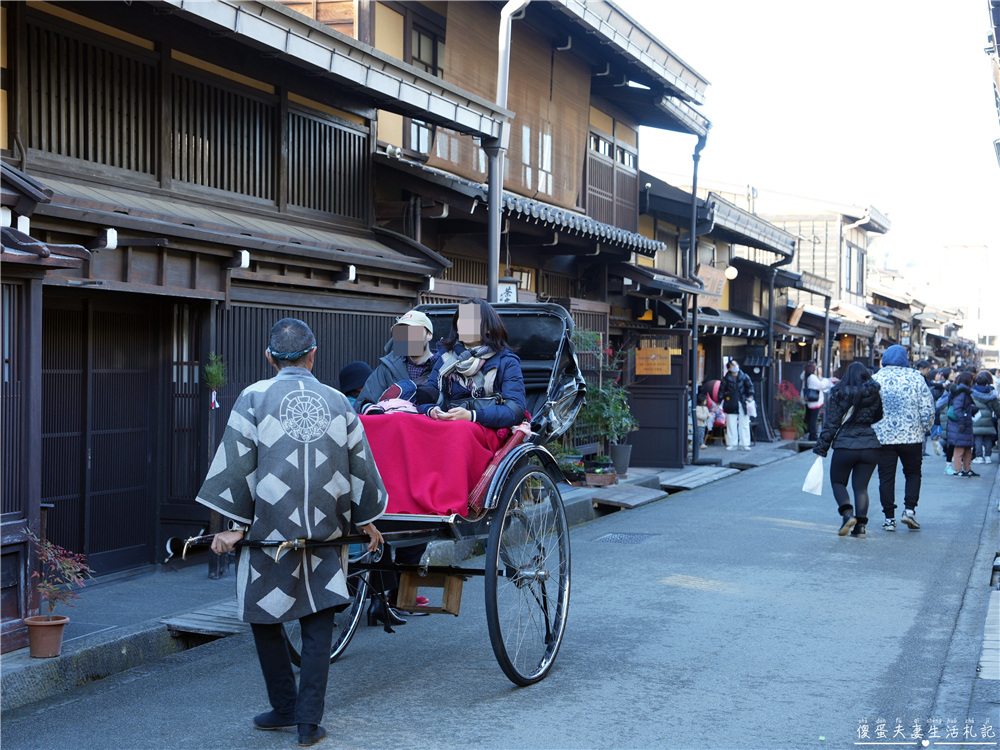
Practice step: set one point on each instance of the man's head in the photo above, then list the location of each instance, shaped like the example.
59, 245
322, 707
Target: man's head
412, 334
895, 356
291, 343
924, 367
733, 367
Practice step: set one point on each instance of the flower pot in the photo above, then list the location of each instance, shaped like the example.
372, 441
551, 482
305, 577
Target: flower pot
621, 455
590, 465
45, 636
601, 480
788, 434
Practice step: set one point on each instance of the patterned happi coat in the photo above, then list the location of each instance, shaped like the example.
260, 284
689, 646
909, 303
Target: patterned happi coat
294, 464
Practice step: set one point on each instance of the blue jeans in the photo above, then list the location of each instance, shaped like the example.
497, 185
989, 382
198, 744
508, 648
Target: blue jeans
984, 446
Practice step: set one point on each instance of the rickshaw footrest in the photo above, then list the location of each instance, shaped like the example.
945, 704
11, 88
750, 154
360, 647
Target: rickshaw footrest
451, 600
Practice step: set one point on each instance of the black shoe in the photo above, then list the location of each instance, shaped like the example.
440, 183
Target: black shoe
378, 612
310, 734
849, 521
971, 473
858, 532
272, 720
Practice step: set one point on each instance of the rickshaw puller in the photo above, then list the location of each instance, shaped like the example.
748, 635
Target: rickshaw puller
294, 463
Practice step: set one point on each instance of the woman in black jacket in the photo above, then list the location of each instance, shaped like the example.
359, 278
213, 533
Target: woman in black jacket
855, 404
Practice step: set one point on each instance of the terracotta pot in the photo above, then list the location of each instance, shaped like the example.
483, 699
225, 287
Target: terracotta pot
45, 636
787, 434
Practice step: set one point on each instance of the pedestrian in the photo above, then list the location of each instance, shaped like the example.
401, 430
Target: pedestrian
294, 463
736, 392
704, 417
941, 405
352, 379
813, 394
961, 408
908, 414
984, 431
854, 406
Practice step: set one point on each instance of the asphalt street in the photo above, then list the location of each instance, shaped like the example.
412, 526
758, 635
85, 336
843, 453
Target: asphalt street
741, 621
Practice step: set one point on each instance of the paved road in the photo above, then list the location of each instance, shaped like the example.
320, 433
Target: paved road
745, 622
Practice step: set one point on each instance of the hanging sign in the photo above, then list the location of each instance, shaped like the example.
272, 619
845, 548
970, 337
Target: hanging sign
652, 361
715, 285
796, 315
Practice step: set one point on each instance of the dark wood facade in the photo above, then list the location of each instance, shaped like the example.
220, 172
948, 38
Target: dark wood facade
192, 155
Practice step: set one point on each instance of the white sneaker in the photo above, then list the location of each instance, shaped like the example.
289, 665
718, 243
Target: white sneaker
730, 447
978, 460
744, 447
988, 460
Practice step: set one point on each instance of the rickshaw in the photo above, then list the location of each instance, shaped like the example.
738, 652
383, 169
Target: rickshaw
518, 510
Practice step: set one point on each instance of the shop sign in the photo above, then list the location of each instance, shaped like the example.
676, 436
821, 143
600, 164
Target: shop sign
715, 285
652, 361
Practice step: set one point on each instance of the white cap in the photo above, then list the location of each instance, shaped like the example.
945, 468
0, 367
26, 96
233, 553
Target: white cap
415, 318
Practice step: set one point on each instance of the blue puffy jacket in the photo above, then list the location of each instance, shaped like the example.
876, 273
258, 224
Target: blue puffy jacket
962, 407
509, 384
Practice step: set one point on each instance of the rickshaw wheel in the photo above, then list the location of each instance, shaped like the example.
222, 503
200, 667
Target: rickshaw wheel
527, 575
347, 621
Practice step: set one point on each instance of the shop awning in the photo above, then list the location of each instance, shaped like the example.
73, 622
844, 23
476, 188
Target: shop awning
650, 282
201, 222
468, 194
785, 332
854, 328
731, 323
717, 218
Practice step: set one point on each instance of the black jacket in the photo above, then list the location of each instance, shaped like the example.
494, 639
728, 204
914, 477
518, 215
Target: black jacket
856, 433
735, 391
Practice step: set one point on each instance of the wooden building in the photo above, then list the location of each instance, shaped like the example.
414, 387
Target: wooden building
211, 164
583, 78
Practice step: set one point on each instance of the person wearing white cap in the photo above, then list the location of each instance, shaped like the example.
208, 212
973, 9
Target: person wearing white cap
408, 357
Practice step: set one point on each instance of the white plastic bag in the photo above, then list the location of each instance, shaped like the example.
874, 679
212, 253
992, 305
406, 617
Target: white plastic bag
814, 479
751, 408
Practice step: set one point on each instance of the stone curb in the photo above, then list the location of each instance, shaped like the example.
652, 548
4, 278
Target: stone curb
26, 680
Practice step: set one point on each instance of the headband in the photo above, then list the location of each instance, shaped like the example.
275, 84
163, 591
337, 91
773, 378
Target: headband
290, 356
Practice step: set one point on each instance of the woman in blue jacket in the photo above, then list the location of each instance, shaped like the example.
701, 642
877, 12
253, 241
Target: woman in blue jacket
478, 374
961, 409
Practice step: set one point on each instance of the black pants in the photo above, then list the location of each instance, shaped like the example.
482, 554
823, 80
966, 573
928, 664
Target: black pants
911, 456
305, 705
858, 467
811, 416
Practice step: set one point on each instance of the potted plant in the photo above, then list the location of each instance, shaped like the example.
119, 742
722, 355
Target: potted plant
601, 473
60, 572
792, 423
608, 410
571, 464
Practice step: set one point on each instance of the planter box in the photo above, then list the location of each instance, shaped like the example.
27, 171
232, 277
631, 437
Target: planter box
601, 480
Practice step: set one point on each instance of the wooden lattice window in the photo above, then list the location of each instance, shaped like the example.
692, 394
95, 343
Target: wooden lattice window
91, 103
223, 139
328, 166
612, 182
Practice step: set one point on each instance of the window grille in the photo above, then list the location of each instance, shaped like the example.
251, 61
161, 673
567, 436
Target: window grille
223, 139
327, 167
90, 103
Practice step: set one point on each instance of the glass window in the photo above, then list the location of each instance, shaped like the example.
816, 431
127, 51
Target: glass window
847, 270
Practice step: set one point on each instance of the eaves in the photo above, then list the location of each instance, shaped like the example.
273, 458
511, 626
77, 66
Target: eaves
391, 84
614, 26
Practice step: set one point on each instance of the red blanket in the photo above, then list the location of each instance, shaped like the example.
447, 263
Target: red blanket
429, 466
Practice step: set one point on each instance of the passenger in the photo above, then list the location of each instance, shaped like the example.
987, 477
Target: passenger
352, 379
410, 359
477, 372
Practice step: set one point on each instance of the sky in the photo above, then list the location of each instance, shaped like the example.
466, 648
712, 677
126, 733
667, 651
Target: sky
875, 102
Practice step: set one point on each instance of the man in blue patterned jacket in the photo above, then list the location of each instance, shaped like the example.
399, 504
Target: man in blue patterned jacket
908, 409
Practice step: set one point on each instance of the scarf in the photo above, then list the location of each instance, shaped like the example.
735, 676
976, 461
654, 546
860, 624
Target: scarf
465, 367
